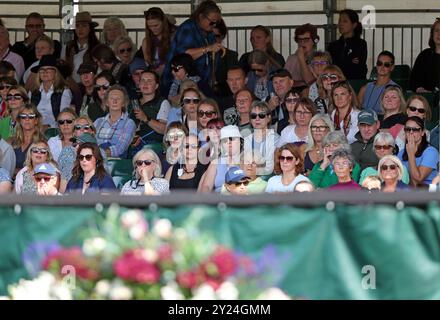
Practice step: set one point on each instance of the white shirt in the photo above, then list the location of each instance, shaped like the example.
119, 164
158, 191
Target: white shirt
45, 105
353, 125
265, 149
275, 184
288, 135
163, 111
77, 60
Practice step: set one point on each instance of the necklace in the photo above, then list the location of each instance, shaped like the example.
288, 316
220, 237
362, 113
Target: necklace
186, 171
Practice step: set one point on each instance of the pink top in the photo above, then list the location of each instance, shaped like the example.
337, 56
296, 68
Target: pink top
292, 65
351, 185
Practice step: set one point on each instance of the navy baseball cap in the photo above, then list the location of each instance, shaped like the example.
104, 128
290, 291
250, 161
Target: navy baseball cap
235, 174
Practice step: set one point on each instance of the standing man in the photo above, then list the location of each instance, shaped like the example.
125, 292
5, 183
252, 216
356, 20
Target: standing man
26, 48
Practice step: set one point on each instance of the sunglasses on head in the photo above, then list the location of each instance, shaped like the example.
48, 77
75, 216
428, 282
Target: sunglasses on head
39, 150
42, 178
419, 110
385, 64
176, 68
385, 147
329, 76
412, 129
139, 163
85, 127
5, 86
261, 115
68, 121
88, 157
104, 86
191, 100
27, 116
124, 50
239, 183
208, 114
288, 158
385, 167
11, 97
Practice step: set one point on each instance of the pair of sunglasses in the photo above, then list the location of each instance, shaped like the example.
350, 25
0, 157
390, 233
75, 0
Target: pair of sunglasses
85, 127
11, 97
68, 121
88, 157
40, 150
139, 163
261, 115
208, 114
23, 116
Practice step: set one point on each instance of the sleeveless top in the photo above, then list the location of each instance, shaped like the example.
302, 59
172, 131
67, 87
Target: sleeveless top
308, 163
193, 183
372, 96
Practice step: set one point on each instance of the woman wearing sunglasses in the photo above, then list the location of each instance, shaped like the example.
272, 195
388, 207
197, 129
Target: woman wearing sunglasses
67, 156
383, 145
96, 108
418, 156
189, 101
187, 173
16, 98
38, 152
391, 171
416, 106
124, 49
303, 111
206, 110
146, 176
289, 164
66, 120
88, 174
262, 140
173, 144
5, 84
28, 130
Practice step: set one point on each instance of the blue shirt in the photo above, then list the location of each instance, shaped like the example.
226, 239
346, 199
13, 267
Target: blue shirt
96, 185
429, 158
189, 36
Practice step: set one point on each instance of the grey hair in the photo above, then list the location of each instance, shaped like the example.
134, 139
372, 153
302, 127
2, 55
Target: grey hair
328, 122
122, 40
385, 137
343, 153
157, 170
393, 159
337, 137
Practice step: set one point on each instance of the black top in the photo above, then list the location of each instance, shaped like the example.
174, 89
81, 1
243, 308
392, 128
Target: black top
193, 183
343, 51
28, 52
391, 121
229, 60
20, 157
425, 72
308, 163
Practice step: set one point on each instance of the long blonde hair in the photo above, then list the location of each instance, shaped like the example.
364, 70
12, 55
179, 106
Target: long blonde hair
28, 162
18, 139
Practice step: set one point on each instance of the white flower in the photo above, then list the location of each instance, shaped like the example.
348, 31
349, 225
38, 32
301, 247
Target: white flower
204, 292
102, 288
138, 231
120, 293
41, 288
227, 291
131, 217
273, 294
61, 291
94, 246
171, 292
163, 228
4, 298
150, 255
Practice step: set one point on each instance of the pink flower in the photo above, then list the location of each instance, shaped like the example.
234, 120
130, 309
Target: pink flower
187, 279
225, 262
132, 266
71, 257
165, 253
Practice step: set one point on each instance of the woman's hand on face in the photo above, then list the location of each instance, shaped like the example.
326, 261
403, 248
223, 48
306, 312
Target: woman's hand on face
326, 159
143, 173
411, 146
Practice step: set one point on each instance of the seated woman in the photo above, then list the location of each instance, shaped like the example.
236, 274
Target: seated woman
239, 116
319, 60
263, 139
146, 176
288, 166
231, 145
16, 98
88, 173
392, 104
51, 95
418, 156
383, 146
345, 112
258, 81
187, 173
44, 45
416, 106
39, 152
28, 131
116, 130
5, 181
173, 144
5, 84
319, 126
323, 174
66, 120
47, 179
291, 99
343, 163
123, 48
391, 172
206, 110
303, 111
189, 100
112, 29
96, 107
236, 182
209, 150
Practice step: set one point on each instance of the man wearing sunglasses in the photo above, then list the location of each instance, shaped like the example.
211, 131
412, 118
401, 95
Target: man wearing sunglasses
47, 179
195, 37
363, 148
370, 94
236, 182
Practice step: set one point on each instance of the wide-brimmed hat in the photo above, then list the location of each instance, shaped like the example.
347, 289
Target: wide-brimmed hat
48, 60
85, 16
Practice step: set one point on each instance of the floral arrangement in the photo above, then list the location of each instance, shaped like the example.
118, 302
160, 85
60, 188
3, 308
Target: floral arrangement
123, 257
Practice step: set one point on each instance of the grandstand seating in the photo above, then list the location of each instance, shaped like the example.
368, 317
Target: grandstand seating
51, 132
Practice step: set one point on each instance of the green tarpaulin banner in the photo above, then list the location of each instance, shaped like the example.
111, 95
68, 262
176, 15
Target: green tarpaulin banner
349, 252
